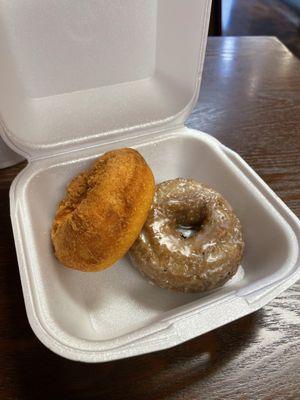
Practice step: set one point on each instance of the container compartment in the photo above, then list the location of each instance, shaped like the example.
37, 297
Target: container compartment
113, 305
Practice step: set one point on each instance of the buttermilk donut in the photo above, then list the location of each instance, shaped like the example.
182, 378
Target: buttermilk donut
192, 240
103, 211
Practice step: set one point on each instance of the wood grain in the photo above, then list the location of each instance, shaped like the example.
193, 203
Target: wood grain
250, 100
262, 18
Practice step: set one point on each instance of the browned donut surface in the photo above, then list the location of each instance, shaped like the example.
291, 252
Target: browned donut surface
192, 240
103, 211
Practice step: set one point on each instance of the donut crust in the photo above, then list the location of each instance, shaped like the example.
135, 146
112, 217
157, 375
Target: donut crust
103, 211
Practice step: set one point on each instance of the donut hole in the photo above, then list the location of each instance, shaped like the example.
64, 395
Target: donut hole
188, 231
190, 221
189, 227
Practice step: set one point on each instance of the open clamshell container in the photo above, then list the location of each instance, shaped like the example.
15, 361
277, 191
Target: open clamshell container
81, 78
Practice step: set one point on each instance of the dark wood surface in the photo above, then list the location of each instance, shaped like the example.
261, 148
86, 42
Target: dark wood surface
262, 17
250, 100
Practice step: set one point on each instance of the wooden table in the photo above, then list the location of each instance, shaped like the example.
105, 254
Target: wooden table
250, 100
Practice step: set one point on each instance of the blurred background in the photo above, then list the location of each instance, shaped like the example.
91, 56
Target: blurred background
280, 18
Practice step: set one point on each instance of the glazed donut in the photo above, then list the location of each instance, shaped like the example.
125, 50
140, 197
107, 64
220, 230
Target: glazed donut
103, 211
192, 240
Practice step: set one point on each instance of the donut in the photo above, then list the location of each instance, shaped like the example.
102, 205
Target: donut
192, 240
103, 211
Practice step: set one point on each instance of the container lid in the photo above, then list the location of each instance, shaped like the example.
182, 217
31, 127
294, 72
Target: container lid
74, 72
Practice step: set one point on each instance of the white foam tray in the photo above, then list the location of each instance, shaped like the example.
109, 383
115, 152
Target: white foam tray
144, 60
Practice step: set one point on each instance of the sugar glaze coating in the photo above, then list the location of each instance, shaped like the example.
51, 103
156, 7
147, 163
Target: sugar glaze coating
166, 254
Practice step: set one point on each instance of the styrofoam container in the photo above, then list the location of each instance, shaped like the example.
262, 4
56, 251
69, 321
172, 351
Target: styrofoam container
87, 77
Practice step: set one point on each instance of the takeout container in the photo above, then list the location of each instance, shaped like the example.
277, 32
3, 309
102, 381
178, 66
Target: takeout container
82, 78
